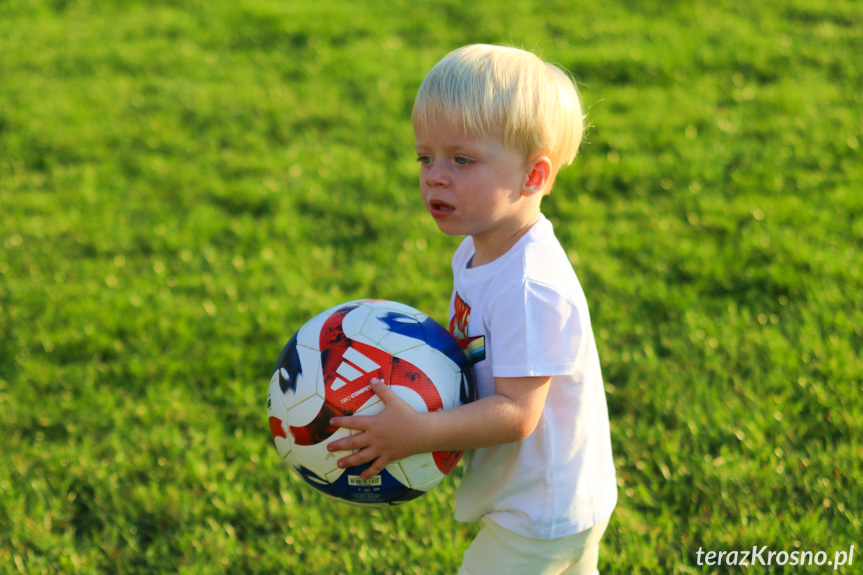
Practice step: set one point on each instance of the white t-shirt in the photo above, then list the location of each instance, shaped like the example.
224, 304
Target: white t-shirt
525, 314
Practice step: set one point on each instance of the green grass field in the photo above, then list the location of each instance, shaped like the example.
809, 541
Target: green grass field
183, 184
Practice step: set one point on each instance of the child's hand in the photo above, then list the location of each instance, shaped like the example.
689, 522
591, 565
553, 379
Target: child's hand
387, 436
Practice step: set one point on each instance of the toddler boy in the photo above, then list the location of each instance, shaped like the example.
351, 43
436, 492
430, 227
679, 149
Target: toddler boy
493, 126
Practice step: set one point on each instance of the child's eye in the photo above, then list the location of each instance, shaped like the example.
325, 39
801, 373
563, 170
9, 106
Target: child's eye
424, 160
462, 161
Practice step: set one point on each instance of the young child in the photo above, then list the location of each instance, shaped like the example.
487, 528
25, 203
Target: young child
493, 127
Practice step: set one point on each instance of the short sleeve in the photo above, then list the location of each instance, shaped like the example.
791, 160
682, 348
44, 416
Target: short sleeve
536, 330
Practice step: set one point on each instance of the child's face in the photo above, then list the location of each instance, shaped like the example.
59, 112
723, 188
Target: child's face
473, 185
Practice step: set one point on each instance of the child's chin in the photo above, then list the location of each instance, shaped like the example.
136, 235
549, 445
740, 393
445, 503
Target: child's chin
448, 227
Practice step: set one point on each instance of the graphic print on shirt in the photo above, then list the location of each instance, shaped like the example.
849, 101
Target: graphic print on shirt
474, 347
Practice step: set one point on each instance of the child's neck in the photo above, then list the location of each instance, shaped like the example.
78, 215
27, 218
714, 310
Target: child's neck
488, 249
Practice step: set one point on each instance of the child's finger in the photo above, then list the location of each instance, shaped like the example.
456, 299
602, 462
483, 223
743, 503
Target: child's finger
373, 470
347, 443
348, 422
339, 445
359, 458
383, 391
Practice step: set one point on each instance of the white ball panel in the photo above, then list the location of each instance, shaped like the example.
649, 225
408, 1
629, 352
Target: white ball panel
396, 471
283, 446
373, 328
309, 334
363, 338
395, 343
303, 413
332, 476
430, 484
316, 457
309, 381
410, 396
352, 323
275, 409
430, 360
420, 470
272, 390
394, 306
450, 392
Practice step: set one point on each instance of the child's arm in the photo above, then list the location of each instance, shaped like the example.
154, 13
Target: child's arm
399, 431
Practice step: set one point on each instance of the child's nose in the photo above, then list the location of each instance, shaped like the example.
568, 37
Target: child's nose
436, 176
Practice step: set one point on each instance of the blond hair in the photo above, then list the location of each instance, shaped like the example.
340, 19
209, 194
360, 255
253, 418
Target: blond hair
532, 105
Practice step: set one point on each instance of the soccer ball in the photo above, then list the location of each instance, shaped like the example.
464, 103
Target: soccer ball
325, 371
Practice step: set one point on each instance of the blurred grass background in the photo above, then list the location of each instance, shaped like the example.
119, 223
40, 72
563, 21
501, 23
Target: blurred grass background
182, 184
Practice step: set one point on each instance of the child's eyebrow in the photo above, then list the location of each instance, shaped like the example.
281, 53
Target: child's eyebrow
453, 148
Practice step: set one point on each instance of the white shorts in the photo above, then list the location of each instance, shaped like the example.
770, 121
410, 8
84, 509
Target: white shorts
499, 551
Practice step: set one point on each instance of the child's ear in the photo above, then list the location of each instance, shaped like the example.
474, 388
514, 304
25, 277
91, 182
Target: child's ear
538, 176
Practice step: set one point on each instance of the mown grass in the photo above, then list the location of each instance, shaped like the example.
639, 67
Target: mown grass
183, 184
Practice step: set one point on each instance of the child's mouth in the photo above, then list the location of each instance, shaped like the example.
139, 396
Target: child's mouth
440, 209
